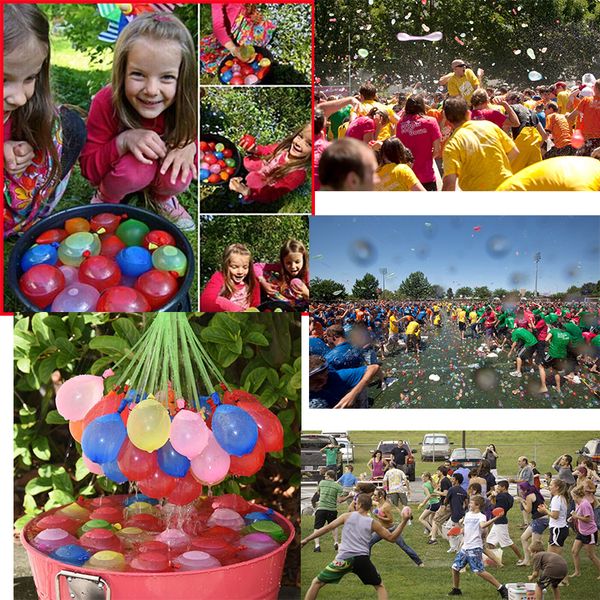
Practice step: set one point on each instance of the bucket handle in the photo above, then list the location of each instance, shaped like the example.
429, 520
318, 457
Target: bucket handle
102, 584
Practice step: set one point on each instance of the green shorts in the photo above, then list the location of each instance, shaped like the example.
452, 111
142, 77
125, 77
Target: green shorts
359, 565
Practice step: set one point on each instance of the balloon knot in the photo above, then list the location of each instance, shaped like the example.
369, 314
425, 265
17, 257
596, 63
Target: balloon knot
108, 373
86, 253
175, 274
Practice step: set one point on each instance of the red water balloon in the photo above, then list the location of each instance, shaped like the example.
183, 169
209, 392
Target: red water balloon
109, 404
187, 489
112, 514
122, 299
50, 236
157, 238
111, 245
270, 430
100, 272
136, 464
233, 502
145, 521
157, 286
106, 221
41, 284
158, 485
250, 463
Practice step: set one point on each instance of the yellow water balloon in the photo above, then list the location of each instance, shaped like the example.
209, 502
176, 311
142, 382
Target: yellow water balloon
149, 425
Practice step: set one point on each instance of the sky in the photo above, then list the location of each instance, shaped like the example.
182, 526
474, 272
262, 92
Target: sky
452, 253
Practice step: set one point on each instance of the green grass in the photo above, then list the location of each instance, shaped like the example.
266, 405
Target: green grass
401, 577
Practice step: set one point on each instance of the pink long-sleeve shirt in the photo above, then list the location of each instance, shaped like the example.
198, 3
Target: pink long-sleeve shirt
221, 28
212, 301
259, 170
103, 126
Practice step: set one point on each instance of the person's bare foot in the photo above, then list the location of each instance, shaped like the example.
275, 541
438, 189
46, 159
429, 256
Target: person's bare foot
575, 575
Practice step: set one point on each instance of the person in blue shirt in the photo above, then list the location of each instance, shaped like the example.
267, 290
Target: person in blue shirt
343, 355
317, 346
332, 388
348, 479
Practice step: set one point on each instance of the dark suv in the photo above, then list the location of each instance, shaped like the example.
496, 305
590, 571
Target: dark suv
311, 458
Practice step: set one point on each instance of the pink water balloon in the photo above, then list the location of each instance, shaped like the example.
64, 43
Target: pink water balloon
77, 395
189, 433
212, 464
91, 466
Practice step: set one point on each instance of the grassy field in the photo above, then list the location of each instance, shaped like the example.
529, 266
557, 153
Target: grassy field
401, 577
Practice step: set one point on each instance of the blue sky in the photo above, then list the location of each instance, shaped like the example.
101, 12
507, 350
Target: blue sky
452, 253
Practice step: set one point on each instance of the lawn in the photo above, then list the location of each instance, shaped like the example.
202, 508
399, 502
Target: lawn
401, 577
74, 81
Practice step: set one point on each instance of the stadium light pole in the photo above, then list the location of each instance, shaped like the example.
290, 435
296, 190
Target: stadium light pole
383, 271
537, 257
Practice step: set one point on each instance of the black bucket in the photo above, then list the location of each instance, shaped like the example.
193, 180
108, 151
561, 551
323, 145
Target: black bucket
179, 303
216, 138
264, 81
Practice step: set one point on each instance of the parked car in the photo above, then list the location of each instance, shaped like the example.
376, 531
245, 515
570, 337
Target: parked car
386, 451
468, 457
346, 446
592, 451
435, 446
311, 459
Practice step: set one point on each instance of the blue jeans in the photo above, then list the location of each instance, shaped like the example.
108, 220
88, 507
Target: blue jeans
399, 542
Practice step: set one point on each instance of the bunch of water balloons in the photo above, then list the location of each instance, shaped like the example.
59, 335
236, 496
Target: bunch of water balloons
109, 263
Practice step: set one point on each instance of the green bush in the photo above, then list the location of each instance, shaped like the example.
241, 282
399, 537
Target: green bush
268, 114
257, 352
264, 242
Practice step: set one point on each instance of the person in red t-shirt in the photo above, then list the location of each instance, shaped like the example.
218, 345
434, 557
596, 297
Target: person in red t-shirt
589, 111
481, 111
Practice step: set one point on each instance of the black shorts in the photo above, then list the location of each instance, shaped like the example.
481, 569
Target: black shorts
540, 352
545, 582
324, 516
462, 326
558, 364
526, 352
558, 535
588, 540
434, 507
365, 570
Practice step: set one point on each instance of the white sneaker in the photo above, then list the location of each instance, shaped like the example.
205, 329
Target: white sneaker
516, 374
172, 210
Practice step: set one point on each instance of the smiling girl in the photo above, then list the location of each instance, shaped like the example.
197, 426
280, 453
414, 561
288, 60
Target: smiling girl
142, 127
41, 141
276, 169
234, 288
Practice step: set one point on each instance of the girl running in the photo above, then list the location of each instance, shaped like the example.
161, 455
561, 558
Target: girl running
395, 172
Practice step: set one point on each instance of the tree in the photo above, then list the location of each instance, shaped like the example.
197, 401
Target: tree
588, 289
366, 288
574, 290
482, 292
416, 287
323, 290
500, 293
438, 291
464, 292
449, 293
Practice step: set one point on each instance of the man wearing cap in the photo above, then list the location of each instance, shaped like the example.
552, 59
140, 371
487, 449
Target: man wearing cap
463, 82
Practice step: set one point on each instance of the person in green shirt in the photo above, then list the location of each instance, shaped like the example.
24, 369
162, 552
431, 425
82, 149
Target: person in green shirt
331, 452
330, 492
595, 343
524, 342
577, 343
558, 341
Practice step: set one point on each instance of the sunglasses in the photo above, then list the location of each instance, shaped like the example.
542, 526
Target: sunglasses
461, 66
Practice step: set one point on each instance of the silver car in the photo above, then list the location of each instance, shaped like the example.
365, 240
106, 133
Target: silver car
435, 446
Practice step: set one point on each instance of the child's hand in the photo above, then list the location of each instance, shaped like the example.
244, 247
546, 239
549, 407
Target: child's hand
236, 185
17, 157
270, 288
144, 144
180, 160
530, 577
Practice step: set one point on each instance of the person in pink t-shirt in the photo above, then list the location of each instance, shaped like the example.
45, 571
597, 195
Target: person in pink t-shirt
366, 129
481, 111
320, 143
421, 135
587, 530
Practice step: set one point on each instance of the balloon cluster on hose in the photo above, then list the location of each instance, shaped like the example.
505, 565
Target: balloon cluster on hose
109, 263
160, 442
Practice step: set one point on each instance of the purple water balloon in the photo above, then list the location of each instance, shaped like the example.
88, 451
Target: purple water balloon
78, 297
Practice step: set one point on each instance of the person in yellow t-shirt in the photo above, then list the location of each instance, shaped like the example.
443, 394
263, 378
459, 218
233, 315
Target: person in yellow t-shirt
562, 96
413, 336
462, 322
558, 174
463, 82
477, 156
437, 320
368, 100
395, 173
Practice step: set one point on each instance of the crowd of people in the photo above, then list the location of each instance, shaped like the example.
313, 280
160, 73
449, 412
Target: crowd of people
472, 137
349, 341
469, 507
